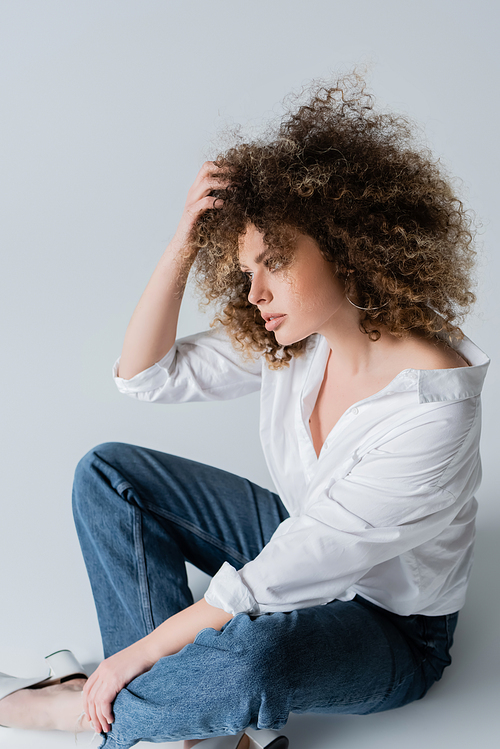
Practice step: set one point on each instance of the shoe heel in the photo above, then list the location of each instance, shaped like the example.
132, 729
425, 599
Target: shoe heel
280, 742
266, 738
63, 665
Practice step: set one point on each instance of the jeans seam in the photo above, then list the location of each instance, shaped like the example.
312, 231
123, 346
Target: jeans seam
201, 534
141, 570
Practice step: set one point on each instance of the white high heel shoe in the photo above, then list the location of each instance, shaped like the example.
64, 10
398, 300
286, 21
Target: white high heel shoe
63, 666
267, 739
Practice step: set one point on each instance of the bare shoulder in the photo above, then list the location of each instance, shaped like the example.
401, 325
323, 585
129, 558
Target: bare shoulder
433, 354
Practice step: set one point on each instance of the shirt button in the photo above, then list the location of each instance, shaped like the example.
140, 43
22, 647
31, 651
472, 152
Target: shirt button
355, 410
412, 375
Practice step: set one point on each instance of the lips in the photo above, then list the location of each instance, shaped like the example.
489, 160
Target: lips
273, 321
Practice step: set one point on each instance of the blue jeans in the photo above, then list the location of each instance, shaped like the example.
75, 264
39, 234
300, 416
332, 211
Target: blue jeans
140, 514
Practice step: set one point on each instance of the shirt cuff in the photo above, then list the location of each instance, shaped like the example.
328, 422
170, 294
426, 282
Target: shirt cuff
228, 592
150, 379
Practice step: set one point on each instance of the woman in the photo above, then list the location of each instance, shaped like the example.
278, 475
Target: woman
341, 260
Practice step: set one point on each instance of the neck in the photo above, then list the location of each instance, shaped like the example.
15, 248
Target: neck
358, 354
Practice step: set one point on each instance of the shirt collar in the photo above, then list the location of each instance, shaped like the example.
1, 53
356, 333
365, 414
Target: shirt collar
433, 385
458, 383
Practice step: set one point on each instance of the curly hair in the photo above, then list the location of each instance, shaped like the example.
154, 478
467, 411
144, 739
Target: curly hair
380, 208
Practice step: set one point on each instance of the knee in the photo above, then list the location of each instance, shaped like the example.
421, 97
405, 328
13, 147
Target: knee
88, 472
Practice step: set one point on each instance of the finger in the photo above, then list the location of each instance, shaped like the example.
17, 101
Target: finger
212, 166
93, 717
209, 167
215, 201
204, 203
211, 171
216, 184
206, 172
218, 202
202, 189
102, 718
103, 699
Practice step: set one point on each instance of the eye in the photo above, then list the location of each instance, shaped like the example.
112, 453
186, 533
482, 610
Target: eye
248, 274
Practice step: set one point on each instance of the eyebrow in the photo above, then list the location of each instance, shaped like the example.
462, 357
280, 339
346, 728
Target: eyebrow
260, 257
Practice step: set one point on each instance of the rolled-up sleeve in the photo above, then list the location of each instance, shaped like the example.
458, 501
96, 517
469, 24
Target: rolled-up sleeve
201, 367
398, 496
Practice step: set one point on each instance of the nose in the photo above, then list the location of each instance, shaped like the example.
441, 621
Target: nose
259, 291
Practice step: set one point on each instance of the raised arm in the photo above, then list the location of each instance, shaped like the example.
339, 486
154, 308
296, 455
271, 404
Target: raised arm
152, 328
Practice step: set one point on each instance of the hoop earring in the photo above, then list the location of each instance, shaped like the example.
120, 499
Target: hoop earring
365, 308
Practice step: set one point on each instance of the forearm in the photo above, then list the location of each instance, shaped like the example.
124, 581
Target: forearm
182, 628
115, 672
153, 326
152, 329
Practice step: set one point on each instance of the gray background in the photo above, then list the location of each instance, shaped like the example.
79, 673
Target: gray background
108, 109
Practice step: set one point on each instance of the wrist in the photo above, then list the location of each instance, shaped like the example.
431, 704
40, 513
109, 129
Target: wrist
175, 264
144, 652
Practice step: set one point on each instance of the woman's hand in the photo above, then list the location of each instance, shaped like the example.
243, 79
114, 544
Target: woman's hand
108, 679
168, 638
199, 199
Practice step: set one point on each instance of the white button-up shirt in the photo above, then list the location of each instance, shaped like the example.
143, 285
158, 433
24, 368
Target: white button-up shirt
386, 511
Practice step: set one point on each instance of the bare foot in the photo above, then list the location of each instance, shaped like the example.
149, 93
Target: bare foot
55, 707
243, 743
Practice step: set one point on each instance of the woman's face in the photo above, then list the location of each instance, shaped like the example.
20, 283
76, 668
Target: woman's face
301, 296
